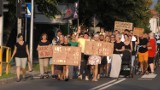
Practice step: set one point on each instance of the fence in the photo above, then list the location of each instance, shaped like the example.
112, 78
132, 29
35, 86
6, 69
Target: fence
7, 61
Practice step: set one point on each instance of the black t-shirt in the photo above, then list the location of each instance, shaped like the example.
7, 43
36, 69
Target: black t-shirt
134, 48
44, 43
142, 43
118, 46
127, 46
21, 50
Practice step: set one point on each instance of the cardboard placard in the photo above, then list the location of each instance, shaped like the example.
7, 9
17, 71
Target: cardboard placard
99, 48
121, 26
45, 51
66, 55
138, 31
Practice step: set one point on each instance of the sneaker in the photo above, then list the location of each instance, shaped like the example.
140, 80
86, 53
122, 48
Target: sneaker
86, 78
80, 77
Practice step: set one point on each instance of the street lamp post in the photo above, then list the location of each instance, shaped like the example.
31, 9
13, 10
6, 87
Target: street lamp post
31, 31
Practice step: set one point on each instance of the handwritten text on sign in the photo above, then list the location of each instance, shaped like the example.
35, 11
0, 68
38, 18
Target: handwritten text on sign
64, 55
45, 51
98, 48
138, 31
121, 26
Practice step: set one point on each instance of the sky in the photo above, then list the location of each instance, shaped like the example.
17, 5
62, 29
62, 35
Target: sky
154, 3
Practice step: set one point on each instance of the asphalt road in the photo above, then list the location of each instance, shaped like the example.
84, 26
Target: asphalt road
136, 83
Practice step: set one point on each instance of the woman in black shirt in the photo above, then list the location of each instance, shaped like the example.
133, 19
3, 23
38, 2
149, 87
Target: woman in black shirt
128, 43
116, 61
21, 53
43, 62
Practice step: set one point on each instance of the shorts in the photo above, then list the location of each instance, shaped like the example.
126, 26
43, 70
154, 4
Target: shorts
21, 62
143, 57
150, 60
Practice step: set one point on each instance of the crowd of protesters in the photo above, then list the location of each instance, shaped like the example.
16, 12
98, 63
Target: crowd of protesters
92, 66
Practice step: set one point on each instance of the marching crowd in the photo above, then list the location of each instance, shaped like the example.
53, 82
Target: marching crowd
92, 66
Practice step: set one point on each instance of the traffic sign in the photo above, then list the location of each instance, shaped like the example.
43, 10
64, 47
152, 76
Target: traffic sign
28, 15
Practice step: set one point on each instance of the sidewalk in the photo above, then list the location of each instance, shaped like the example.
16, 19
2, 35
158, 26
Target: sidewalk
29, 75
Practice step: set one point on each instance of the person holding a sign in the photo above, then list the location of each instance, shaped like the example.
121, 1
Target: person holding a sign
21, 54
66, 67
43, 62
84, 66
117, 53
73, 42
95, 61
109, 59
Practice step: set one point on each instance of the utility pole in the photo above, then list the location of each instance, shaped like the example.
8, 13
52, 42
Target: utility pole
3, 4
31, 31
20, 12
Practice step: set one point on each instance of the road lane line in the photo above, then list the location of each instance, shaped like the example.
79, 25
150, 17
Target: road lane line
105, 87
95, 88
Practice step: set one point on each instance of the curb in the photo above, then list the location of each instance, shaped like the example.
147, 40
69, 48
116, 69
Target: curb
7, 80
13, 79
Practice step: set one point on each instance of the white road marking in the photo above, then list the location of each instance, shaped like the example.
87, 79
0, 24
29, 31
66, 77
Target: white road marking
103, 88
149, 76
95, 88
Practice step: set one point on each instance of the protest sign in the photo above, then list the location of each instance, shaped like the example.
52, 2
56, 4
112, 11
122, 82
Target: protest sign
138, 31
65, 55
98, 48
45, 51
121, 26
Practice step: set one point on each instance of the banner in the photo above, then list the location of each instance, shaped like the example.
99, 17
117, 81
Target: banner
121, 26
66, 55
138, 31
99, 48
45, 51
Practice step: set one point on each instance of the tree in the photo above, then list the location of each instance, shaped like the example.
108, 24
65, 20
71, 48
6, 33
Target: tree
47, 7
108, 11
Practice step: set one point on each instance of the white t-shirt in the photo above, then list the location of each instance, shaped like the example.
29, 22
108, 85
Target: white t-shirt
133, 38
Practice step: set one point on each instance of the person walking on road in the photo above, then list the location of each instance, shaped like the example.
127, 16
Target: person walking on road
21, 54
151, 51
143, 54
119, 47
43, 62
95, 60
